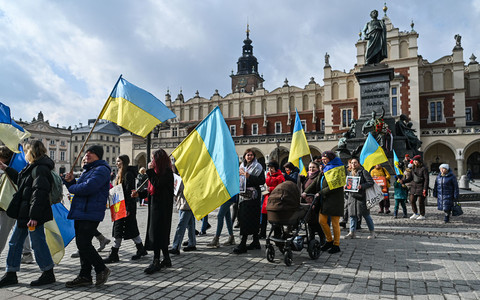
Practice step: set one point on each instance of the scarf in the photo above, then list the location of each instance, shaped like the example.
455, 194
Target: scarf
311, 178
254, 169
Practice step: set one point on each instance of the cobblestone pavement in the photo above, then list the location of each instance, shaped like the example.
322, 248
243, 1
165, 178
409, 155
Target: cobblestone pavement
409, 259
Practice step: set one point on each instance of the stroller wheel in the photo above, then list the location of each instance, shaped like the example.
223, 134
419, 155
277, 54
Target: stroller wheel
314, 249
288, 257
270, 253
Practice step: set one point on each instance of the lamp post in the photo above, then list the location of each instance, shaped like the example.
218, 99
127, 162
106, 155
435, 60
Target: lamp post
278, 150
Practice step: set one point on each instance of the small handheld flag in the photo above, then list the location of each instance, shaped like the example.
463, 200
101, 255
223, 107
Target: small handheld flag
299, 146
372, 154
396, 164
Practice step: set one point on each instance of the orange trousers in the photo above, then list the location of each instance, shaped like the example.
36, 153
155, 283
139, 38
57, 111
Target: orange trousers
323, 220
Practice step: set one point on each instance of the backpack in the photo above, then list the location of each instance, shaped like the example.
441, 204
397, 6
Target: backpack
56, 191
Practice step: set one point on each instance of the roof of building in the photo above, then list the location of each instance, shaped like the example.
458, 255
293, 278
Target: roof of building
101, 127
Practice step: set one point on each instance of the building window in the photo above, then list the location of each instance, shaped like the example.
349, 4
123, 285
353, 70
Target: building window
108, 138
52, 142
62, 143
304, 125
62, 155
322, 125
75, 149
254, 129
52, 154
394, 101
233, 130
468, 114
113, 139
346, 117
101, 137
174, 132
278, 127
76, 138
83, 137
436, 110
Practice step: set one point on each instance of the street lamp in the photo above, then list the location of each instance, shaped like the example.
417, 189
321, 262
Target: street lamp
278, 150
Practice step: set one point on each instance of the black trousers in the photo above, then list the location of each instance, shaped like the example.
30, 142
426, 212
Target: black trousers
84, 233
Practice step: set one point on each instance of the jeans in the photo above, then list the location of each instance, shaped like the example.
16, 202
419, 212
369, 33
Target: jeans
84, 233
224, 212
368, 220
186, 220
39, 245
204, 224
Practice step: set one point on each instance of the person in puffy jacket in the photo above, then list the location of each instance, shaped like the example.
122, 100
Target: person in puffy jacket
446, 190
87, 210
30, 206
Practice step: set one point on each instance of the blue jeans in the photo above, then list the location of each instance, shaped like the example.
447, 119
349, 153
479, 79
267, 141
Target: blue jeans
204, 224
224, 212
39, 246
186, 220
368, 220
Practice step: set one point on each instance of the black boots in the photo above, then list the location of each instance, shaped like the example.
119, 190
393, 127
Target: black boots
47, 277
140, 251
10, 278
327, 246
153, 267
113, 257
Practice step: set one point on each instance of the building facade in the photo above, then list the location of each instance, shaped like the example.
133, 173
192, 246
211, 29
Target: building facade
441, 98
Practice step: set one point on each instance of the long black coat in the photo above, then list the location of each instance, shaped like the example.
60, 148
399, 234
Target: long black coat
332, 201
31, 201
127, 228
160, 208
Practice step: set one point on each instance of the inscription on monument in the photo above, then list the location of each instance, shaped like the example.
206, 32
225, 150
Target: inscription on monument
374, 96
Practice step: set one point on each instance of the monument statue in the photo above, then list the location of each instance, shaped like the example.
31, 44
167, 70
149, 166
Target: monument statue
371, 125
458, 41
342, 142
404, 128
376, 35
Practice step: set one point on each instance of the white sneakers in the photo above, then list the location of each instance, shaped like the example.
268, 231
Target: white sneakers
372, 235
421, 218
350, 235
414, 216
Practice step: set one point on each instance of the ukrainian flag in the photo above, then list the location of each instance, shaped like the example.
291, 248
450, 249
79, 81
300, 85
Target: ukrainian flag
372, 154
299, 146
396, 164
59, 232
10, 132
134, 109
334, 173
208, 164
7, 186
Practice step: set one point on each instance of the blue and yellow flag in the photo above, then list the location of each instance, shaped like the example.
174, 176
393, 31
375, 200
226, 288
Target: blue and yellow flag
396, 164
208, 164
134, 109
372, 154
18, 161
7, 186
11, 134
59, 232
299, 146
334, 173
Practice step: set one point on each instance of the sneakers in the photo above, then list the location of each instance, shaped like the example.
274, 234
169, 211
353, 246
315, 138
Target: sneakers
10, 278
414, 216
372, 235
27, 258
102, 277
421, 217
47, 277
79, 282
334, 249
350, 235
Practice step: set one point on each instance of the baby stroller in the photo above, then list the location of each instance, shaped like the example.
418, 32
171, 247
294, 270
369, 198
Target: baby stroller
285, 210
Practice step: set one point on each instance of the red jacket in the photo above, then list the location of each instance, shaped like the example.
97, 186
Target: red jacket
272, 181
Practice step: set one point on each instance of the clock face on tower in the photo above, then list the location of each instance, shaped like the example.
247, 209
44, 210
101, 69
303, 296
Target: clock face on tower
242, 82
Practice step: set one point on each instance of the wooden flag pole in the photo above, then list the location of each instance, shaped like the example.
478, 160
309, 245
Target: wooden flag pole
93, 127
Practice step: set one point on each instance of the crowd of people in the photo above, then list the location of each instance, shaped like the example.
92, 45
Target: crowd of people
30, 207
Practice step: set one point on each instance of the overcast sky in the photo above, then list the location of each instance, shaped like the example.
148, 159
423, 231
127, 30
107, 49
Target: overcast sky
63, 57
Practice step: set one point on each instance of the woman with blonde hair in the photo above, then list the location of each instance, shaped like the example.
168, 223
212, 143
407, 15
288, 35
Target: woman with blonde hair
30, 206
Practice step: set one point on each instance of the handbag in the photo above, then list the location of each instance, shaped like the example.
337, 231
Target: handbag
457, 209
374, 195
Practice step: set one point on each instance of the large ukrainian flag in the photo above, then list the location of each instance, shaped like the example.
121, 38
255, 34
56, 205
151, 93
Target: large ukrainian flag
59, 232
299, 146
11, 134
134, 109
334, 172
372, 154
208, 164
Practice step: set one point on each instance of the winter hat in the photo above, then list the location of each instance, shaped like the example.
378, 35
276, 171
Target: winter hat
97, 150
444, 166
407, 155
329, 154
417, 157
410, 166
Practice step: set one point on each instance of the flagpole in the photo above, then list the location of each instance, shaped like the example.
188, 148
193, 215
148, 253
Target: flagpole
93, 127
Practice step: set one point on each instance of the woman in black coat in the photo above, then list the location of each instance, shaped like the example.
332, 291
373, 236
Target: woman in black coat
126, 228
419, 188
160, 208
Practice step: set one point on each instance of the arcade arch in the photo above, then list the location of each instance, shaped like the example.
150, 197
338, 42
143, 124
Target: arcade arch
439, 153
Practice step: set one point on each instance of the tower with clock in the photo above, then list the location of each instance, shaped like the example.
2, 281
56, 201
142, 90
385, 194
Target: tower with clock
247, 78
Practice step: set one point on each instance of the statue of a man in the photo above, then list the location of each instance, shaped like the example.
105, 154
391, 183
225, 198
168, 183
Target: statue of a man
376, 35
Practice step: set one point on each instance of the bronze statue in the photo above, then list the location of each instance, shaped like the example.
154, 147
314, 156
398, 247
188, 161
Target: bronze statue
404, 128
376, 35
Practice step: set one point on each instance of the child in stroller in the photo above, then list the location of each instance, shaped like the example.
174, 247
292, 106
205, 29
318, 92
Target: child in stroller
284, 209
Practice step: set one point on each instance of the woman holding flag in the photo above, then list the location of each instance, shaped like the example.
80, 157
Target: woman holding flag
329, 187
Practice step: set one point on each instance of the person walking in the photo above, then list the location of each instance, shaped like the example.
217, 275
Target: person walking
418, 191
30, 206
160, 208
331, 202
357, 201
446, 191
249, 203
126, 228
87, 209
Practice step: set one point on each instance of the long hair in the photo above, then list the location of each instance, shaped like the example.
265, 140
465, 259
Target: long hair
352, 170
123, 169
34, 150
161, 162
245, 154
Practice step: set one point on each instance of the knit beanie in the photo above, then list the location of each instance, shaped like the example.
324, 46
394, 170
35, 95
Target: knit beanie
417, 157
329, 154
97, 150
444, 166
